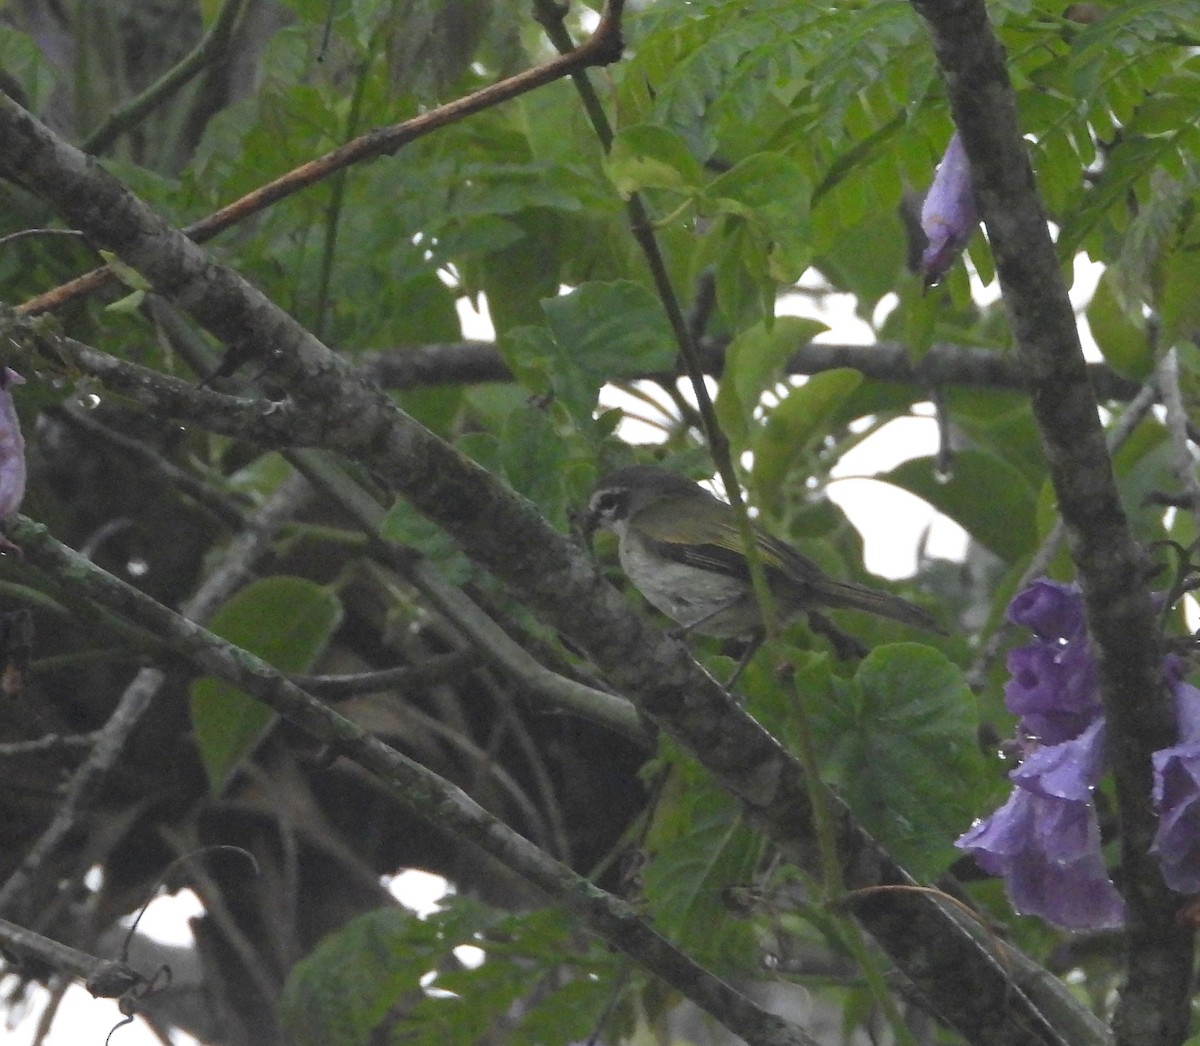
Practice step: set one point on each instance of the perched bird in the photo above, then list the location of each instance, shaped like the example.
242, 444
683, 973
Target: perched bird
681, 548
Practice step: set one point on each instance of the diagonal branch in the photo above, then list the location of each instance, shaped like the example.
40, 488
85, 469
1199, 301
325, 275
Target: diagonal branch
425, 793
1112, 568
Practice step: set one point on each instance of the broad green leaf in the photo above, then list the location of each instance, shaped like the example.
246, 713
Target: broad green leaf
753, 363
530, 354
1179, 300
701, 847
284, 620
344, 989
762, 187
900, 744
602, 332
353, 984
801, 417
989, 498
647, 156
1124, 342
404, 525
612, 330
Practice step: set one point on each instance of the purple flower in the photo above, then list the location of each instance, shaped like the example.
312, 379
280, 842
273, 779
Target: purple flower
1049, 609
1177, 792
1053, 685
12, 446
1045, 841
948, 215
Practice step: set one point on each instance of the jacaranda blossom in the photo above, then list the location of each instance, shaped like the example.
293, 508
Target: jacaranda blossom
1045, 841
1177, 792
948, 215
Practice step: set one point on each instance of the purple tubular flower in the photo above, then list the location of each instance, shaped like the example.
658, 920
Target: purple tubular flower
1177, 792
1045, 841
12, 447
1049, 609
948, 215
1053, 685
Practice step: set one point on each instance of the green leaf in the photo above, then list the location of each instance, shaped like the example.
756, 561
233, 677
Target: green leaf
900, 745
1123, 341
355, 983
983, 493
344, 989
701, 847
803, 416
284, 620
612, 330
646, 156
127, 274
404, 525
601, 332
754, 362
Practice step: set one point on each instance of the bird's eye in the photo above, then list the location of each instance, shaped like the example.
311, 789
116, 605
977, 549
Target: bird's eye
609, 503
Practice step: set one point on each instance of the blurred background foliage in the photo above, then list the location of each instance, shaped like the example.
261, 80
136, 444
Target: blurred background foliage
769, 140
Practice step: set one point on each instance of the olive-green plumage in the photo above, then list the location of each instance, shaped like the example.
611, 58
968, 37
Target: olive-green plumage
681, 548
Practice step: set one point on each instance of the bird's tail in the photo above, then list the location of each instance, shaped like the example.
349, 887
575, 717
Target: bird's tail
849, 596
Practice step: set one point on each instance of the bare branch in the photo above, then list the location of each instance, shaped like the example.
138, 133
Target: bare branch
472, 362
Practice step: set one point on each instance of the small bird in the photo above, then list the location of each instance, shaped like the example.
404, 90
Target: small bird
681, 548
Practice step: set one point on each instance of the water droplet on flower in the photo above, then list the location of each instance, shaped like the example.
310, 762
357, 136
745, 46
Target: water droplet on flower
942, 476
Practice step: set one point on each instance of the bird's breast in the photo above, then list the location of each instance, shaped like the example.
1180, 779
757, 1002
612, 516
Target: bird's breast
687, 594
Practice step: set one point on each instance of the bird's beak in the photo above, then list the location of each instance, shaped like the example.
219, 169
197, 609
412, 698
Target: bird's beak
584, 523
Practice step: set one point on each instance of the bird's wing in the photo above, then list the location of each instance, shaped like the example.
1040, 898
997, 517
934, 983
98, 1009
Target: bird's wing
695, 538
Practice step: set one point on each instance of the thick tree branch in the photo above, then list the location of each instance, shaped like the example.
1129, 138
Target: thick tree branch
1112, 569
549, 574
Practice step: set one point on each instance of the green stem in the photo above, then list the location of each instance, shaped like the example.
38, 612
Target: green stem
333, 212
211, 47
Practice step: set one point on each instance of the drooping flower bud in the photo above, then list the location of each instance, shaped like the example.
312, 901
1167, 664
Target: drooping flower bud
12, 447
948, 215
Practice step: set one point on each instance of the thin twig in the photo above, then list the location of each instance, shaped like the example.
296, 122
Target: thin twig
230, 574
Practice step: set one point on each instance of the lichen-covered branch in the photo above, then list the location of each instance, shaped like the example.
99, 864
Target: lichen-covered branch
424, 792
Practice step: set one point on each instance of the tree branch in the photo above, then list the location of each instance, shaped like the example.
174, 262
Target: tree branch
231, 573
210, 49
1112, 569
473, 362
